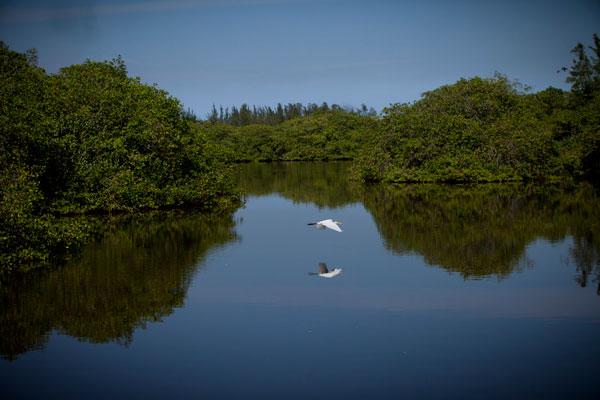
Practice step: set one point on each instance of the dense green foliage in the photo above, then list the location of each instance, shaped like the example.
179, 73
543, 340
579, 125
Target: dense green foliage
332, 134
489, 130
91, 139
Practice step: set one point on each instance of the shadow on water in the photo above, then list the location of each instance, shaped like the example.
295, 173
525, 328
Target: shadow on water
474, 230
137, 273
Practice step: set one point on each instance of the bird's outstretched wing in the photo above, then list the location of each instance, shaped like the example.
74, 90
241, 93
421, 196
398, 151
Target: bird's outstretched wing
323, 268
329, 223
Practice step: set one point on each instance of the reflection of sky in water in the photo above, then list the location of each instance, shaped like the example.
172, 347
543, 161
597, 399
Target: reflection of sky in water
277, 250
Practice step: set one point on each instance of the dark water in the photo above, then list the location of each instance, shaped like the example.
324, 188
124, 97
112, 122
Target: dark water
446, 292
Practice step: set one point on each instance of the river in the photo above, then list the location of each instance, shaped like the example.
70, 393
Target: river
487, 291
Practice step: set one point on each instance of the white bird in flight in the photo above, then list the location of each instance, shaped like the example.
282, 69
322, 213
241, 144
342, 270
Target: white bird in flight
327, 223
325, 273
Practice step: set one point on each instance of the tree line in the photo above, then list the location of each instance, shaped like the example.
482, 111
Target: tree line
474, 130
266, 115
336, 134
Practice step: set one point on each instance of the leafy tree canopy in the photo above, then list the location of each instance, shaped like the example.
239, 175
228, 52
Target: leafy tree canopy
91, 138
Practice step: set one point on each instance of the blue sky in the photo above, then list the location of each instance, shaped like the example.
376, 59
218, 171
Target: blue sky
267, 51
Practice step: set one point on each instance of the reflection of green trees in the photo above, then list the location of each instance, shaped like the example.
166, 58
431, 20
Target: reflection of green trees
137, 273
586, 254
586, 246
476, 230
482, 230
325, 184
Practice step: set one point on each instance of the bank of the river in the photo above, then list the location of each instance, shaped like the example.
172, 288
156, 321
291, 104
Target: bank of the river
91, 139
473, 131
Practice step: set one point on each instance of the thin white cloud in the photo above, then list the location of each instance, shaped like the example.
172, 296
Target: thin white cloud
38, 14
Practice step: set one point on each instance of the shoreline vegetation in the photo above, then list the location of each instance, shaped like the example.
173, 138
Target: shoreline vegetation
475, 130
90, 140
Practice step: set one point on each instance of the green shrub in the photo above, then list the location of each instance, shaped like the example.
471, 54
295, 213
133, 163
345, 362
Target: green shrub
92, 139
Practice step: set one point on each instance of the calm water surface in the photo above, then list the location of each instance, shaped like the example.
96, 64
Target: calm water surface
446, 292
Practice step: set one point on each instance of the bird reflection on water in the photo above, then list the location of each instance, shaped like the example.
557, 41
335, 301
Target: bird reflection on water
326, 273
327, 223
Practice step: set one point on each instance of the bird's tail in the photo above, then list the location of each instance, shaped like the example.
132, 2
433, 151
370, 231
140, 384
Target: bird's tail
311, 223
